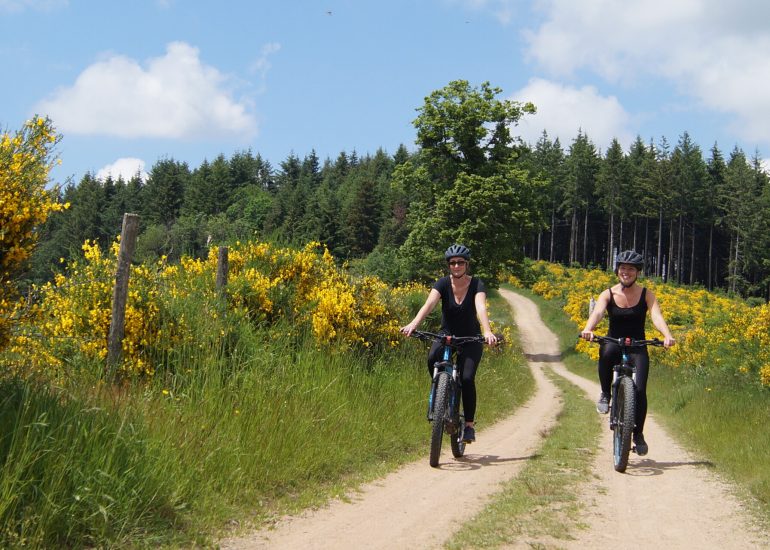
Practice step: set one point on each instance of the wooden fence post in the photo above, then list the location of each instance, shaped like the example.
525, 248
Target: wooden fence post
222, 267
120, 290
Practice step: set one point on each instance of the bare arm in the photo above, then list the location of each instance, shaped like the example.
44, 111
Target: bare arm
430, 303
596, 315
481, 313
658, 321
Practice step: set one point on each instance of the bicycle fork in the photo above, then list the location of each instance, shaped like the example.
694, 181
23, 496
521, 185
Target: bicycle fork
625, 369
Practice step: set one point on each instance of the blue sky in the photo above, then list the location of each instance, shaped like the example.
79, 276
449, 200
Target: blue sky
129, 83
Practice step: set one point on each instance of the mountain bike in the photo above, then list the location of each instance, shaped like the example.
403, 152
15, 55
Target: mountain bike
623, 398
444, 404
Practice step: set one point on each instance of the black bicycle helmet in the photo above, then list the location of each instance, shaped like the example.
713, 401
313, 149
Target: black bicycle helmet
457, 251
631, 257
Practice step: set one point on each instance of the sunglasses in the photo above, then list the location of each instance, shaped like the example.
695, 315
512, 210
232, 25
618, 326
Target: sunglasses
457, 262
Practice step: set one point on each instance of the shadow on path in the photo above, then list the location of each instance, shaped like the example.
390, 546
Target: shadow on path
474, 462
648, 467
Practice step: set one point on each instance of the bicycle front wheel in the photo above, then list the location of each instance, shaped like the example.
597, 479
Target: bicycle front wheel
458, 445
440, 413
625, 409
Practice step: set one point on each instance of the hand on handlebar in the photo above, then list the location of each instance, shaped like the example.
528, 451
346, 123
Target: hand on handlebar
587, 335
490, 338
409, 329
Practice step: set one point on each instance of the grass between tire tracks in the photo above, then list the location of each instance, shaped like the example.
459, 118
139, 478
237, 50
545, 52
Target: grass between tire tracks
541, 505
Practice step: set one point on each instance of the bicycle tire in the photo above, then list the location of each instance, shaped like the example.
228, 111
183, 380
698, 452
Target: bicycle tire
440, 411
625, 402
458, 445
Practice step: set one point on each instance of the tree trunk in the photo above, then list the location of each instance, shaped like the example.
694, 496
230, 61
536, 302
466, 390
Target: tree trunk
659, 266
553, 232
669, 267
735, 265
711, 252
585, 237
680, 251
573, 237
692, 255
611, 239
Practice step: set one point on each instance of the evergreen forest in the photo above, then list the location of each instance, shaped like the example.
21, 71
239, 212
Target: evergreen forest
700, 217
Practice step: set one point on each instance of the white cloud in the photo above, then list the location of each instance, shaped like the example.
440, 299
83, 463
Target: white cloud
173, 96
564, 110
715, 52
125, 168
262, 65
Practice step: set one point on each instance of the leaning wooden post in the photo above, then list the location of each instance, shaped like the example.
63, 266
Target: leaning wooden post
222, 266
120, 291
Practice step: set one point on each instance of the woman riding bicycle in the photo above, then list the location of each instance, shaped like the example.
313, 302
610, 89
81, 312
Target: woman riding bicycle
627, 304
463, 307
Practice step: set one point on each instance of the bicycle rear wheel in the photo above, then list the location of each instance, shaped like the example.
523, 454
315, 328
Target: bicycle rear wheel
625, 409
440, 412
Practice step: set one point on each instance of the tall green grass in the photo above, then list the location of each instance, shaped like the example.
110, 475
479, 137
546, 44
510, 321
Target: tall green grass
725, 419
245, 425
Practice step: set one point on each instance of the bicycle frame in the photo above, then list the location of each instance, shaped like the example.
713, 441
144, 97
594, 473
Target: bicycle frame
623, 398
444, 400
626, 367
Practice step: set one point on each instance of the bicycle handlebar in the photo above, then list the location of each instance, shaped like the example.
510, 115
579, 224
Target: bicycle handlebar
452, 341
625, 342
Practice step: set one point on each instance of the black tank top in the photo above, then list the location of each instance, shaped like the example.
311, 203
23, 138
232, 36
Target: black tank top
459, 319
628, 322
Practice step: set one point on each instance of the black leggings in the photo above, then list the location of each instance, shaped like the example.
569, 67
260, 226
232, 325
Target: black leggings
609, 356
468, 360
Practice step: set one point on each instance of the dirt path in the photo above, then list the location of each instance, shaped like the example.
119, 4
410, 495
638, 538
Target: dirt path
669, 498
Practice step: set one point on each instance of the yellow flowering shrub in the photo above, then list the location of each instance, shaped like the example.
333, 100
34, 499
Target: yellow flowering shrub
167, 304
25, 161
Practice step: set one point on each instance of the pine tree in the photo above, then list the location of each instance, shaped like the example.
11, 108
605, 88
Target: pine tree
163, 194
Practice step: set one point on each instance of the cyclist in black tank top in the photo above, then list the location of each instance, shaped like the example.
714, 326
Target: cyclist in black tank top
626, 305
463, 313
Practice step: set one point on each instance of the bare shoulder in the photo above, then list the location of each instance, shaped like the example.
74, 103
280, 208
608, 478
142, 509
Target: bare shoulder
650, 297
605, 294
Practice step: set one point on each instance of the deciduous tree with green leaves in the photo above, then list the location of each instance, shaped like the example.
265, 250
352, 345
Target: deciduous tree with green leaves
465, 182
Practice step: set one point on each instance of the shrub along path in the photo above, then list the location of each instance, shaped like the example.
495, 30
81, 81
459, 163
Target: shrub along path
666, 499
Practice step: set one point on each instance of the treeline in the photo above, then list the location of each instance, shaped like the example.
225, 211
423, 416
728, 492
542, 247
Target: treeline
698, 218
